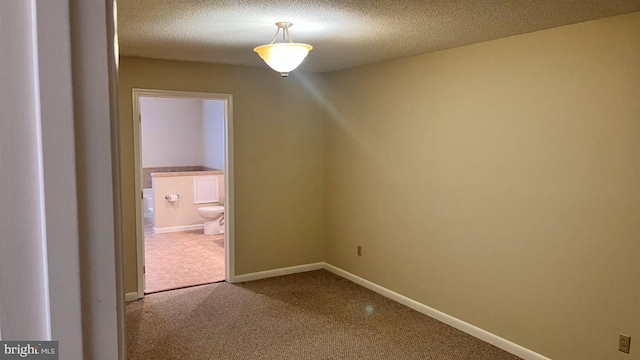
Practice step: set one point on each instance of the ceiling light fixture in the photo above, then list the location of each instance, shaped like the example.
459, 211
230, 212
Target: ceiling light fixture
286, 56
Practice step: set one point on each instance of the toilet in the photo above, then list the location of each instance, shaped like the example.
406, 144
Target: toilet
212, 216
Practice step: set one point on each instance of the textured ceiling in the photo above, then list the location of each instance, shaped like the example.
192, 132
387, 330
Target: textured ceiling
344, 33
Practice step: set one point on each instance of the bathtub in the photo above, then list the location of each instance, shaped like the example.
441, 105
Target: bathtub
147, 202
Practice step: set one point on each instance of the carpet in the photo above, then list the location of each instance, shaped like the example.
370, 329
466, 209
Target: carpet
313, 315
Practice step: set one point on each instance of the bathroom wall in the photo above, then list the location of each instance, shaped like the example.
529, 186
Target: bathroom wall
213, 133
147, 171
182, 212
499, 183
171, 132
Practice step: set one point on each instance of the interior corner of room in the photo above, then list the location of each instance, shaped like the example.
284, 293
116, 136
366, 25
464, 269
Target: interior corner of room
489, 183
494, 182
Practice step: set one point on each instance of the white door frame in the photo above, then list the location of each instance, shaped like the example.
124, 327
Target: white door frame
229, 234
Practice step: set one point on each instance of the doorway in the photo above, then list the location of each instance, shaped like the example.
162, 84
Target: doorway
183, 164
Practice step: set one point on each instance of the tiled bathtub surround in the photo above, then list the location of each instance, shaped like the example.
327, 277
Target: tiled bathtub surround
146, 172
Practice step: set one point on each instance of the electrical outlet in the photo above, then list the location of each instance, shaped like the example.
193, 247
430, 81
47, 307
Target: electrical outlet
359, 250
624, 343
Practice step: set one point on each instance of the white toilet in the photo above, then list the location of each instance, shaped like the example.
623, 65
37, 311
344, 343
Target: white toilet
212, 216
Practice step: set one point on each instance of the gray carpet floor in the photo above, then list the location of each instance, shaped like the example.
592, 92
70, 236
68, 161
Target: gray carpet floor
313, 315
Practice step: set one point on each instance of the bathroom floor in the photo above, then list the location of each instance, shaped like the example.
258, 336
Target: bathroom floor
180, 259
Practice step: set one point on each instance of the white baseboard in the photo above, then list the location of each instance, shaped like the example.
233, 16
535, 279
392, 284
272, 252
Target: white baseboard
132, 296
178, 228
463, 326
472, 330
278, 272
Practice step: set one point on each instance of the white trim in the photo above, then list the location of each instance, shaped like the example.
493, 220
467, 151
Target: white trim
472, 330
279, 272
132, 296
96, 138
178, 228
198, 198
229, 231
137, 156
35, 22
229, 186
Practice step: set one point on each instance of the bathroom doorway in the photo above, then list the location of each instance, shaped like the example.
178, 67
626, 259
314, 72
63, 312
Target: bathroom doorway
184, 175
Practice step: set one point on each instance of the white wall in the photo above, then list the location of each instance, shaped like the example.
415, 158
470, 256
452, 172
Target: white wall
59, 175
94, 106
171, 132
213, 133
40, 271
59, 239
23, 280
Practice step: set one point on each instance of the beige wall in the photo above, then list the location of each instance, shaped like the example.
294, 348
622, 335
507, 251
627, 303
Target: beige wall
498, 183
182, 212
278, 135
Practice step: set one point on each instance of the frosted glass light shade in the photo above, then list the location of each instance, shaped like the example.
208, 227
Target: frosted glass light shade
283, 57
